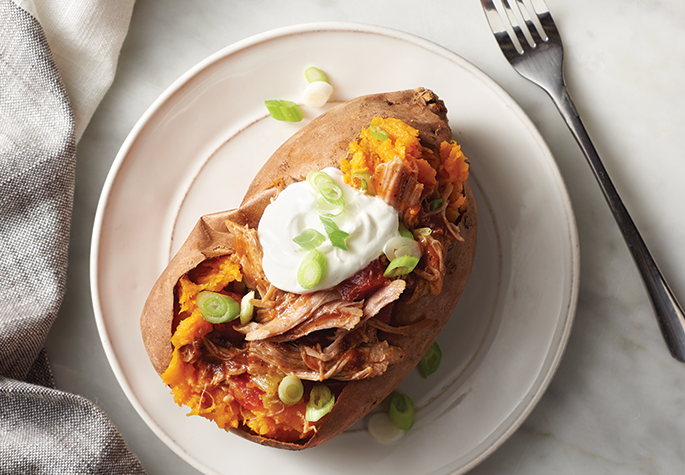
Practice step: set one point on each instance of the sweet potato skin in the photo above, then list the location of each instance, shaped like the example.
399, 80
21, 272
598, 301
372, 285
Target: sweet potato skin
322, 143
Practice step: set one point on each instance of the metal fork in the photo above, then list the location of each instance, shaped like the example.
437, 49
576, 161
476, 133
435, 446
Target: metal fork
536, 53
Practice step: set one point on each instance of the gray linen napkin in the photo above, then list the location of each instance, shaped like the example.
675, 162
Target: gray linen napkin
42, 430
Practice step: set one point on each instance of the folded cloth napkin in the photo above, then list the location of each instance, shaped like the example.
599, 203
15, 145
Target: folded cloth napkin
57, 59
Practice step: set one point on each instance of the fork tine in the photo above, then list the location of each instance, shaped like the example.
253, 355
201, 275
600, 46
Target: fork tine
513, 21
493, 17
532, 27
498, 28
545, 18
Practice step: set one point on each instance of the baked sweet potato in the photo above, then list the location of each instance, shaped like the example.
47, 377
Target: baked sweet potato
203, 365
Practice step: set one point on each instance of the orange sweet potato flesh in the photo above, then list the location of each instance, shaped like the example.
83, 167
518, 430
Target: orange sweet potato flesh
322, 143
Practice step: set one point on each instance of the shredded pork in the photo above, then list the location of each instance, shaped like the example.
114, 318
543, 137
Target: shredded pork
351, 355
332, 334
383, 297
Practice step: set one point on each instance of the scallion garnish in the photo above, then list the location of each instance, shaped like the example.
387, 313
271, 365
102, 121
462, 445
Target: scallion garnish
216, 307
333, 194
246, 308
337, 237
311, 270
321, 401
323, 184
435, 204
400, 266
402, 411
430, 362
281, 109
314, 74
401, 246
316, 94
331, 199
318, 91
422, 233
404, 232
318, 179
364, 181
378, 133
383, 429
309, 239
290, 390
325, 208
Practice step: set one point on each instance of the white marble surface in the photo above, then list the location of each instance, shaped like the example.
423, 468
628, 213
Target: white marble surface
617, 403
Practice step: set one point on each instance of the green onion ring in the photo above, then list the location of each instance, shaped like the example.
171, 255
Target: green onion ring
404, 232
402, 411
337, 237
311, 270
430, 362
321, 401
318, 179
309, 239
216, 307
435, 204
422, 233
400, 266
328, 209
290, 390
383, 429
332, 193
365, 180
246, 308
378, 133
281, 109
398, 246
315, 74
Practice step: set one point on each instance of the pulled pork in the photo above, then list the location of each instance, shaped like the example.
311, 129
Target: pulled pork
330, 334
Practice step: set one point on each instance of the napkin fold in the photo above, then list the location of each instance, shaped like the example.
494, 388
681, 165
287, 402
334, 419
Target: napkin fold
45, 104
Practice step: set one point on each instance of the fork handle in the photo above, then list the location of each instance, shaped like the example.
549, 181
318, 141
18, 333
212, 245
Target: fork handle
669, 313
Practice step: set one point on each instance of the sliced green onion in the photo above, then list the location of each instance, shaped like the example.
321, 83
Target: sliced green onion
400, 266
332, 193
404, 232
430, 362
337, 237
402, 411
422, 233
378, 133
311, 270
216, 307
329, 209
435, 204
365, 181
309, 239
323, 184
321, 401
281, 109
314, 74
318, 179
316, 94
290, 390
401, 246
246, 308
331, 199
383, 429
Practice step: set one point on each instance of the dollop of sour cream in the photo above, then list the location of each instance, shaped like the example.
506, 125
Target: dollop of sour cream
368, 219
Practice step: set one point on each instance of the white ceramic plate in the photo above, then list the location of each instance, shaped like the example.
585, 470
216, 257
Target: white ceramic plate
197, 148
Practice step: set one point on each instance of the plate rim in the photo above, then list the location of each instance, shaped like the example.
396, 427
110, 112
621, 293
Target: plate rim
563, 327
